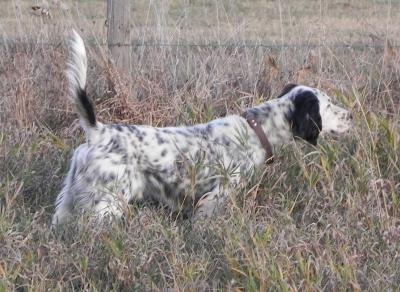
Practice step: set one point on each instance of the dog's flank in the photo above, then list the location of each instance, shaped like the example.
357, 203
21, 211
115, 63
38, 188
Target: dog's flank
189, 169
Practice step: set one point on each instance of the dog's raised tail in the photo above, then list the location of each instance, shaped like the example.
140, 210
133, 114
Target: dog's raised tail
76, 74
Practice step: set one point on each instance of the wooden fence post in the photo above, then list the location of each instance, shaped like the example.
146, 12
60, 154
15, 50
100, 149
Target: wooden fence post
118, 34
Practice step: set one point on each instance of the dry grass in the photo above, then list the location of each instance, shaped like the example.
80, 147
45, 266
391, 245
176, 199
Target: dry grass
317, 219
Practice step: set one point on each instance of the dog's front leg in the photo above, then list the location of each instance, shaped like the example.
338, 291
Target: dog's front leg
210, 204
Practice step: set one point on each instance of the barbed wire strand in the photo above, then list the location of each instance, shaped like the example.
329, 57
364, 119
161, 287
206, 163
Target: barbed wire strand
210, 45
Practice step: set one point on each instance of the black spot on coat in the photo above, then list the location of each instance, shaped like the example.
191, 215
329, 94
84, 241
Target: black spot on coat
287, 89
118, 128
160, 140
305, 118
87, 108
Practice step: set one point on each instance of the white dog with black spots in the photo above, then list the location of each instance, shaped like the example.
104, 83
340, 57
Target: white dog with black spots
189, 169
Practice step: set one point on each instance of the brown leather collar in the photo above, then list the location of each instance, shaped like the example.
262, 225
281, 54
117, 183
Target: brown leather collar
260, 134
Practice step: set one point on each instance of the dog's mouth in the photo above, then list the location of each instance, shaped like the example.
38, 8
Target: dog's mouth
337, 132
343, 130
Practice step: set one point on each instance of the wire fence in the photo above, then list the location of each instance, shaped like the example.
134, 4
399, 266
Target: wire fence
355, 46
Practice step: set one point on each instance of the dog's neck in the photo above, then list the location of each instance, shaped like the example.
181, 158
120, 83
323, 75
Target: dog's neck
273, 117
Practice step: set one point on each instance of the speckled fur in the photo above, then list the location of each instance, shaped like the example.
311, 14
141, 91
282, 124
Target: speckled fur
189, 169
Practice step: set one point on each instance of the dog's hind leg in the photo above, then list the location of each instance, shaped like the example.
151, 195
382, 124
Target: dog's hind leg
64, 206
109, 206
65, 199
113, 200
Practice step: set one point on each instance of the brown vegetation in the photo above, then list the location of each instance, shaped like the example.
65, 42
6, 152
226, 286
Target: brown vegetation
317, 219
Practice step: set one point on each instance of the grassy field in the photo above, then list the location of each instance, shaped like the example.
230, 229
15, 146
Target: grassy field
325, 218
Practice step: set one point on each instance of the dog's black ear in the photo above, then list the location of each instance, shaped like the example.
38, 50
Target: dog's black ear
287, 89
305, 118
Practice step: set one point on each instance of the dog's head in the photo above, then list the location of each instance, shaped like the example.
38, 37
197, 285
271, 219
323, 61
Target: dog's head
313, 113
